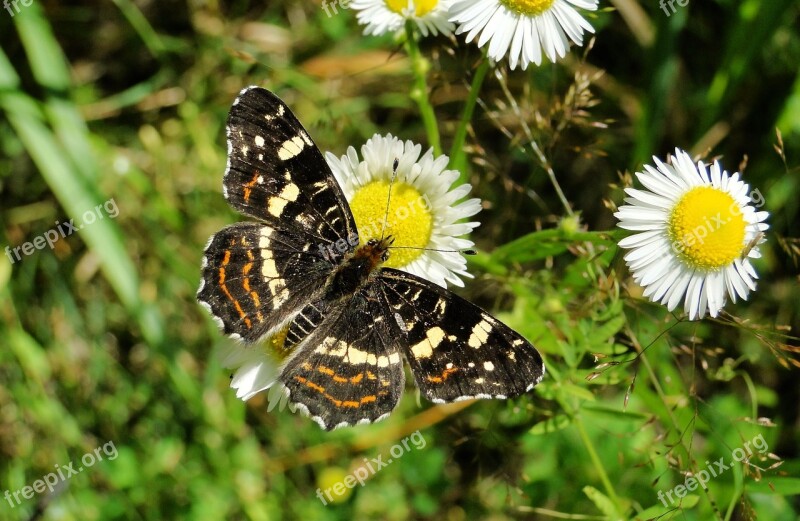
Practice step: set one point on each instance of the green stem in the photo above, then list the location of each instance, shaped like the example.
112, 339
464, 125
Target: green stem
419, 93
598, 465
587, 442
458, 158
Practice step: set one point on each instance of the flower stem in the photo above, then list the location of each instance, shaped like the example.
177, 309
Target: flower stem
419, 92
598, 465
574, 415
458, 158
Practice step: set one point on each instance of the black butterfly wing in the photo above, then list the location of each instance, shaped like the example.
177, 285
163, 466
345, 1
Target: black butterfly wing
255, 276
277, 174
455, 349
346, 368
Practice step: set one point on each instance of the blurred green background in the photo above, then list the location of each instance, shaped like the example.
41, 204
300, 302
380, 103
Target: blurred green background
101, 340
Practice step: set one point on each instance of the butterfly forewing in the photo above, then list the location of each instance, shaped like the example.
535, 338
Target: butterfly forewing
455, 349
277, 174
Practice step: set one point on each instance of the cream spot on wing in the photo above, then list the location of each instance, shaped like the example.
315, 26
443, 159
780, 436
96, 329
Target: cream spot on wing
279, 299
479, 380
488, 366
290, 192
291, 148
264, 241
480, 333
512, 356
276, 206
268, 269
424, 349
259, 141
276, 285
332, 347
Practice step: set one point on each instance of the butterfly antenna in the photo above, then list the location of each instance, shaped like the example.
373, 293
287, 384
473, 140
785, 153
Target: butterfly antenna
389, 199
464, 252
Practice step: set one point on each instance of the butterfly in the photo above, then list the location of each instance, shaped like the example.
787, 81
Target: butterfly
348, 321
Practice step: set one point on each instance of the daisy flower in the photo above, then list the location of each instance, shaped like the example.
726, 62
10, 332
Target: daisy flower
256, 369
696, 233
422, 212
523, 28
384, 16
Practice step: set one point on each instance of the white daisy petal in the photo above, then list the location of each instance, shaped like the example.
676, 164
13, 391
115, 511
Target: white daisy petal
693, 223
522, 29
255, 370
387, 16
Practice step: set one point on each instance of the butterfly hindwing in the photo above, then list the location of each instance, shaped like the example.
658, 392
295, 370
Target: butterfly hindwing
455, 349
348, 369
277, 174
256, 277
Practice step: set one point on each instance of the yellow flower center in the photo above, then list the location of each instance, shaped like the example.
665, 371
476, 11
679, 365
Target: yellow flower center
409, 219
275, 344
528, 7
416, 8
706, 228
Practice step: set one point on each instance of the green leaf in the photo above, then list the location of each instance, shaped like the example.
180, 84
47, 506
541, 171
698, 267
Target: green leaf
531, 247
658, 510
609, 413
781, 486
601, 501
579, 392
554, 424
599, 336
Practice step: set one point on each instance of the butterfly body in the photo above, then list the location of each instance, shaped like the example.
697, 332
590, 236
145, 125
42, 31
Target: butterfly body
349, 321
358, 269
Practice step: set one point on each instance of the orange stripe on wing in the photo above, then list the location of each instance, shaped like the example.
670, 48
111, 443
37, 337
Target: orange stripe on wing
248, 188
340, 379
246, 285
445, 374
338, 403
224, 287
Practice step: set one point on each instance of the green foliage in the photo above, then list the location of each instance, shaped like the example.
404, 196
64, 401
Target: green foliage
101, 339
